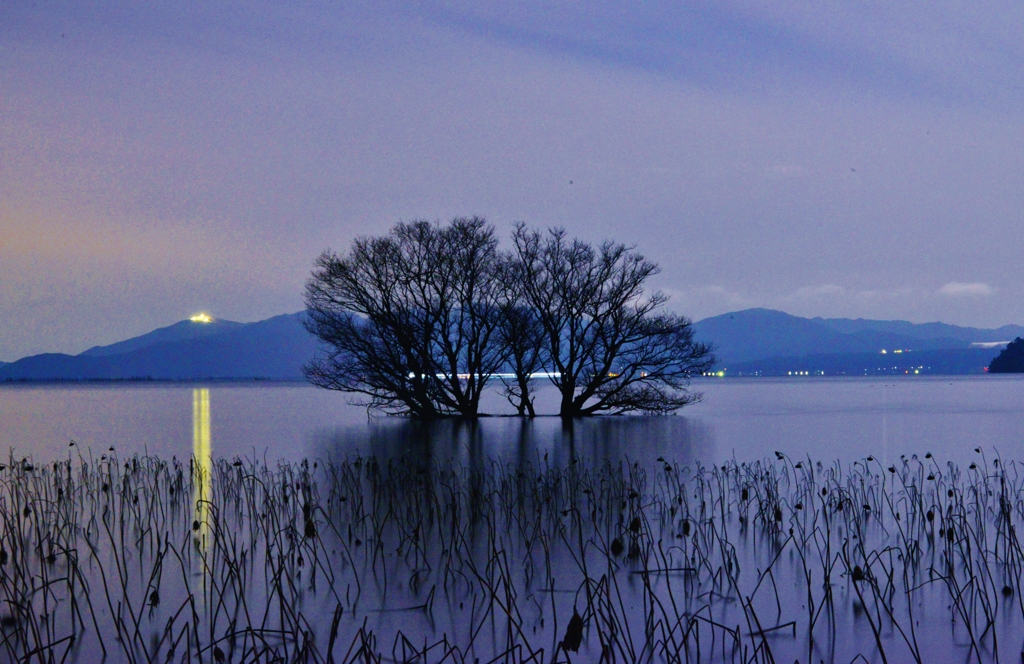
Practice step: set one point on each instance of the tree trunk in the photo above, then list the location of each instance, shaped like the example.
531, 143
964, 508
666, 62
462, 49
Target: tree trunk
568, 408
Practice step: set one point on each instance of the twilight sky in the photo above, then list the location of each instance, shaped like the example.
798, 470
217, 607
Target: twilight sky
860, 159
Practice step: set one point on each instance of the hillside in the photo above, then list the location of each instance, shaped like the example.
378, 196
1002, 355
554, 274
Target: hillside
945, 361
180, 331
273, 349
767, 342
923, 330
1011, 360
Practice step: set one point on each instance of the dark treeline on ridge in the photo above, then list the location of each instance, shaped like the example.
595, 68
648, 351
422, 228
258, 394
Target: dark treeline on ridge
1011, 360
423, 320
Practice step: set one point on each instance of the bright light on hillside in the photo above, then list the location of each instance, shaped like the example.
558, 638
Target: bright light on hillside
201, 318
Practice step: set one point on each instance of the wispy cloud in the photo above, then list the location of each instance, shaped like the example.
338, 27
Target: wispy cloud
812, 292
725, 44
879, 295
961, 289
916, 303
707, 298
781, 171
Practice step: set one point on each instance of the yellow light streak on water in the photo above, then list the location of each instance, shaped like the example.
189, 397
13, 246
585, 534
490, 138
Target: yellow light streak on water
203, 461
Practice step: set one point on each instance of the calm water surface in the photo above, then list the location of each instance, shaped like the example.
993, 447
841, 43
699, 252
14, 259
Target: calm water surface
739, 418
392, 568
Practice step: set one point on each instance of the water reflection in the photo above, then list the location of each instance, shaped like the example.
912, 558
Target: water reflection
203, 460
845, 419
523, 441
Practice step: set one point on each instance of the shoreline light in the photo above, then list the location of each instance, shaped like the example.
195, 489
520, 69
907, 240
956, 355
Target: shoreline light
201, 318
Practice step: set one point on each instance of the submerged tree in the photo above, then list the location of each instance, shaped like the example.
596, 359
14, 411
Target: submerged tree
410, 320
421, 320
522, 334
612, 348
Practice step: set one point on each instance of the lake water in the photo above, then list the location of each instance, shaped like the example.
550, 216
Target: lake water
446, 554
744, 419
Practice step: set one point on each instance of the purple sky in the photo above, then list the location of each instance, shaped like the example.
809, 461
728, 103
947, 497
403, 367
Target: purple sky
835, 159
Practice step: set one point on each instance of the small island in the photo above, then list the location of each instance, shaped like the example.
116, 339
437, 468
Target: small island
1011, 360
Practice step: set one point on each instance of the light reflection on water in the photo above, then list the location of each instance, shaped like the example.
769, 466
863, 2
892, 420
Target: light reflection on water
202, 455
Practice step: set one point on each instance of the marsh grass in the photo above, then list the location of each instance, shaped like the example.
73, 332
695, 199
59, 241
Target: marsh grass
374, 560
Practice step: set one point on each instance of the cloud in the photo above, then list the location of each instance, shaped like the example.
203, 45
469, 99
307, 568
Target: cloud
706, 300
989, 344
960, 289
777, 171
837, 294
730, 44
809, 292
877, 295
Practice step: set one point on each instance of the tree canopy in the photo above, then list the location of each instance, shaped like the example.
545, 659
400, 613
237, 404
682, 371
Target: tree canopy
420, 321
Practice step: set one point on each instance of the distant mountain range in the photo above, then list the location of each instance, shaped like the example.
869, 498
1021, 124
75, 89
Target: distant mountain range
767, 342
750, 342
272, 349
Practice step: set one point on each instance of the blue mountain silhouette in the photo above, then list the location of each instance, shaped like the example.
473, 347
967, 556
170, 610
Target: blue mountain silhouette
773, 342
761, 341
272, 349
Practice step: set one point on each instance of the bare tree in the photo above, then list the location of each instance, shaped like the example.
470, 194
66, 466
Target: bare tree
421, 320
612, 348
469, 296
410, 320
522, 334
